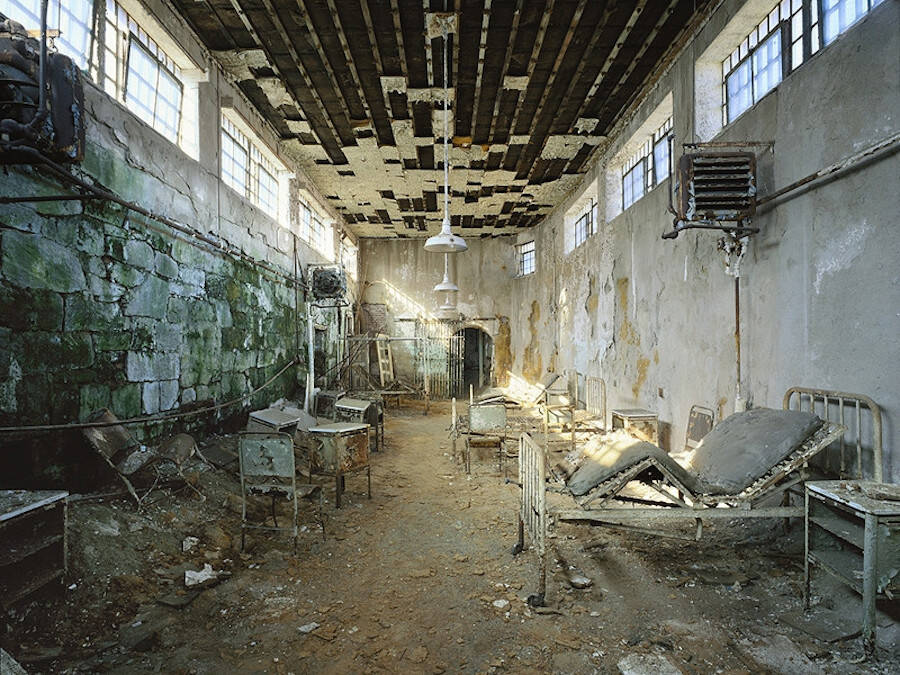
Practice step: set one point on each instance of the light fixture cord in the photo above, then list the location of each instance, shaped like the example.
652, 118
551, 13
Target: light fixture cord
446, 126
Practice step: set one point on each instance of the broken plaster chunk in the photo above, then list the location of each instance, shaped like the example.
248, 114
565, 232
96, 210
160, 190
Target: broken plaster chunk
580, 581
647, 664
308, 627
188, 543
501, 604
206, 575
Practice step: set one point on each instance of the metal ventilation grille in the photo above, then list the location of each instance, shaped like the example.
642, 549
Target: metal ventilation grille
717, 186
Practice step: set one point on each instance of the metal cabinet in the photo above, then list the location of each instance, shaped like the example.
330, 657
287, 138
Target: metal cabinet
854, 536
362, 412
32, 542
338, 449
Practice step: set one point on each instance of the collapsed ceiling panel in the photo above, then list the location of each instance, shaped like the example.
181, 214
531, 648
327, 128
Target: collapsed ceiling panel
356, 90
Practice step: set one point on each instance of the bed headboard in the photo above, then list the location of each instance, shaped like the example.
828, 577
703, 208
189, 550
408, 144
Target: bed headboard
858, 413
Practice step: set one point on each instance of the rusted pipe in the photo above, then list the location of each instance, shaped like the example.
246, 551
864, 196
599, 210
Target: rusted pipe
846, 163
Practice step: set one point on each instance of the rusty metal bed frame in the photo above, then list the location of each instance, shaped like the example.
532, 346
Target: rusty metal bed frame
534, 517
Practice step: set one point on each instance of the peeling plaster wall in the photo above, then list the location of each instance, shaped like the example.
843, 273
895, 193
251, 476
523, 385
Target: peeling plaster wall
401, 274
820, 287
98, 310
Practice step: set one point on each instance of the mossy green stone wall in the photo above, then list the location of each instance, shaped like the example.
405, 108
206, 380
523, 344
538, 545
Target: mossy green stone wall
97, 310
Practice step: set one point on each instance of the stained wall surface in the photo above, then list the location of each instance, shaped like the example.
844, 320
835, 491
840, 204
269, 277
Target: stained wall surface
655, 318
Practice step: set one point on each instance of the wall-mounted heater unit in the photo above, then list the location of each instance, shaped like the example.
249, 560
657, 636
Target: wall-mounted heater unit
328, 281
713, 190
58, 134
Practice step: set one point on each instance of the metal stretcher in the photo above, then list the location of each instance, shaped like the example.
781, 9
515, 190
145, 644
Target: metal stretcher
685, 496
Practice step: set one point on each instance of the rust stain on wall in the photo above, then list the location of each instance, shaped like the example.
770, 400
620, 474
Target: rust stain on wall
593, 298
502, 352
642, 366
532, 364
627, 333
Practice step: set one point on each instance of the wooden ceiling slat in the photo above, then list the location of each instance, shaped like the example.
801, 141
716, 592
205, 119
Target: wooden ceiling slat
531, 52
258, 22
324, 34
495, 60
469, 31
358, 48
412, 26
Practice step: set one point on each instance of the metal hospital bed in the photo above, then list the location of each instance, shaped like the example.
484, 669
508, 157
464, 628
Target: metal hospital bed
857, 428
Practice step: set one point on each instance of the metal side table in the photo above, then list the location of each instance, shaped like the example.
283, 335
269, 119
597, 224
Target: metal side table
855, 536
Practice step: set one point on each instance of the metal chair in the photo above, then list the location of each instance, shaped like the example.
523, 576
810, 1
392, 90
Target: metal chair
268, 468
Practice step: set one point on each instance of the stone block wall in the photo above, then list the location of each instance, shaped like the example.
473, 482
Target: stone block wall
98, 310
103, 307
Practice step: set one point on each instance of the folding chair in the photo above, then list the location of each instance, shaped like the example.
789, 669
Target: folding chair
268, 468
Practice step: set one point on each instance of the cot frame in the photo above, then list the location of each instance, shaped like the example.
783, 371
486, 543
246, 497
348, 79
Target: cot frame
535, 517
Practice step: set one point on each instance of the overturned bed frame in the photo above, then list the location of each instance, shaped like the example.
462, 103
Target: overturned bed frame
534, 516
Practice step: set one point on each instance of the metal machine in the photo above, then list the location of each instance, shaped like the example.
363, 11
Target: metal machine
41, 100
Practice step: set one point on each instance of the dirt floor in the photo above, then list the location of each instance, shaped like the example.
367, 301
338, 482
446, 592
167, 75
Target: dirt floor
421, 578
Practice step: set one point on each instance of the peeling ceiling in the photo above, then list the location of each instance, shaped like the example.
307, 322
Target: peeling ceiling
355, 88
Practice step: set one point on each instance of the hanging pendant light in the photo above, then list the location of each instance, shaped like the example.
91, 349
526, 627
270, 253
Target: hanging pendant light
446, 241
446, 285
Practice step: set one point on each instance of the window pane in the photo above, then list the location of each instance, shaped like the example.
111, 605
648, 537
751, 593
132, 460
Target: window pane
739, 91
234, 164
268, 193
526, 258
661, 168
141, 82
838, 15
767, 66
71, 17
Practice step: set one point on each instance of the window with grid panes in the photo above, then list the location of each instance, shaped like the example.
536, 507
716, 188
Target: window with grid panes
839, 15
138, 72
152, 92
584, 226
779, 44
649, 166
526, 253
72, 18
247, 171
349, 258
316, 232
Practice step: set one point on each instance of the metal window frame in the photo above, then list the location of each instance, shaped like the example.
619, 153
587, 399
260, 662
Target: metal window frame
870, 5
812, 40
529, 254
82, 58
257, 162
134, 40
236, 136
646, 156
585, 224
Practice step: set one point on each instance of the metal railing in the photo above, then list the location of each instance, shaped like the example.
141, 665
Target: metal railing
833, 406
533, 511
595, 398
